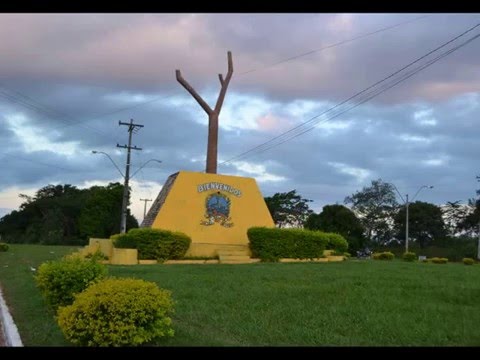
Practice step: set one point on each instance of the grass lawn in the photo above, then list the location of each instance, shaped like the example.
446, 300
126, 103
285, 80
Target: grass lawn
355, 303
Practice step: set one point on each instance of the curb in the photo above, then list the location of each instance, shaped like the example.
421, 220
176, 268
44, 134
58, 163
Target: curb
12, 338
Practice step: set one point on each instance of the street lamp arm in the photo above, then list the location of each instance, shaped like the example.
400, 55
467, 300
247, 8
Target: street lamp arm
420, 189
141, 167
113, 162
398, 192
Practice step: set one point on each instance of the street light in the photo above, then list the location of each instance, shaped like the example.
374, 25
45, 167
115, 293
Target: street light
126, 193
113, 162
407, 203
145, 163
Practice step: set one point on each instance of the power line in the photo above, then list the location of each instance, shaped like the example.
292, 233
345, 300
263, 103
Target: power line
43, 110
353, 96
333, 45
176, 92
378, 93
259, 147
37, 162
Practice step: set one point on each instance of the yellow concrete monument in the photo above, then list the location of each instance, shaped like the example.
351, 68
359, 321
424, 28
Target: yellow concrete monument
214, 210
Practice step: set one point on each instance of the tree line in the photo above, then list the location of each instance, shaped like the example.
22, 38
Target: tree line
373, 217
64, 214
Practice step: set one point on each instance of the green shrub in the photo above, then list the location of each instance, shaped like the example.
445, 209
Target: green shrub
347, 255
3, 247
409, 256
98, 255
386, 255
154, 243
336, 242
116, 312
114, 237
271, 244
60, 280
437, 260
468, 261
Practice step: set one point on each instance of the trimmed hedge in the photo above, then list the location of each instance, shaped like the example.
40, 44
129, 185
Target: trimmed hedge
437, 260
468, 261
154, 244
60, 280
409, 256
336, 242
271, 244
386, 255
118, 312
3, 247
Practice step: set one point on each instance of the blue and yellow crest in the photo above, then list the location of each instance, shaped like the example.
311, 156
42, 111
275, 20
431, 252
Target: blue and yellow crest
217, 209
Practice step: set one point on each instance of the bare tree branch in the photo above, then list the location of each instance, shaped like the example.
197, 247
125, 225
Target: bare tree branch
192, 92
212, 114
225, 83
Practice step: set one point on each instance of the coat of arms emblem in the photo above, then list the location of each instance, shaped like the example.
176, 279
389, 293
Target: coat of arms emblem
217, 209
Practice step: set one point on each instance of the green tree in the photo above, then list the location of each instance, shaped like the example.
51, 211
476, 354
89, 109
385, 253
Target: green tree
341, 220
469, 224
455, 215
55, 213
425, 225
375, 205
288, 209
101, 214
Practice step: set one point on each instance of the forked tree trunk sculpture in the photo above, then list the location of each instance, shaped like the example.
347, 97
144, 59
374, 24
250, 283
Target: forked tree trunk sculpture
212, 114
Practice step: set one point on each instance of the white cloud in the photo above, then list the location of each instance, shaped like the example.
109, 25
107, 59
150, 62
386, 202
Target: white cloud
9, 198
414, 138
257, 171
32, 140
435, 161
360, 174
425, 117
128, 97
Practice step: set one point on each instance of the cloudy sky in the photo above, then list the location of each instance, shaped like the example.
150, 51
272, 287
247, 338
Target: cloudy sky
67, 79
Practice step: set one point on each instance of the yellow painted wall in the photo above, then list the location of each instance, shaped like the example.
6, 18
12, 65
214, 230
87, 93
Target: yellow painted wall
124, 257
105, 246
184, 210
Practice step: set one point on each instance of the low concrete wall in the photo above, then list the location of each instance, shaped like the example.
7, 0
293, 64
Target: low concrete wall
124, 257
211, 249
105, 245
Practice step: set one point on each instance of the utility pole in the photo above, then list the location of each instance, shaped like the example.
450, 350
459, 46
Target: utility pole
213, 114
126, 193
406, 226
145, 207
478, 206
407, 203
